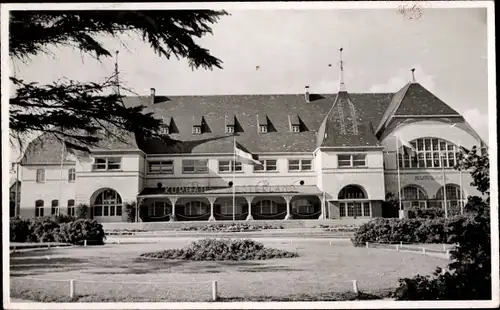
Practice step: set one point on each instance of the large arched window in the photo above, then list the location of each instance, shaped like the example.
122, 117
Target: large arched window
39, 208
454, 197
303, 206
428, 153
352, 202
413, 196
195, 208
267, 207
107, 203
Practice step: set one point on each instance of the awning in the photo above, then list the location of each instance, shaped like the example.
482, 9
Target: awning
228, 191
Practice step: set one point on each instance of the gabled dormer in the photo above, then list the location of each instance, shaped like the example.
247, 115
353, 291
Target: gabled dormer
294, 123
197, 125
230, 124
165, 126
262, 123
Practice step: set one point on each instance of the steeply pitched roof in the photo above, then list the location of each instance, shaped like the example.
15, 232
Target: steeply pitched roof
414, 99
42, 150
276, 108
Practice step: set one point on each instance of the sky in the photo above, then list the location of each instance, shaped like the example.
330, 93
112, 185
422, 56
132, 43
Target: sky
281, 51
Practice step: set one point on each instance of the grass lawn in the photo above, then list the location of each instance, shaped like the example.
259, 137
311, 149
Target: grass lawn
320, 271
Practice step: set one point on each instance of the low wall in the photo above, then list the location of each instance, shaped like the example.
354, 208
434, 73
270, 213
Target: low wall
158, 226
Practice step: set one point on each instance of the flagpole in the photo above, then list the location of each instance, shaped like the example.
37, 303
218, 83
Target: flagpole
444, 188
17, 189
399, 175
60, 179
461, 189
233, 167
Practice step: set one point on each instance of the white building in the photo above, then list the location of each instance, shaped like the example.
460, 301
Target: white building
324, 156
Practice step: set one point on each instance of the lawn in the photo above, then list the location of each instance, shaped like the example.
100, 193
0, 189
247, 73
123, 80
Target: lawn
321, 269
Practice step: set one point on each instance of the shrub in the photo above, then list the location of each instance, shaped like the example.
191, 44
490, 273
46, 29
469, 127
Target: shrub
438, 230
42, 229
430, 213
82, 229
129, 209
230, 227
82, 211
222, 249
19, 230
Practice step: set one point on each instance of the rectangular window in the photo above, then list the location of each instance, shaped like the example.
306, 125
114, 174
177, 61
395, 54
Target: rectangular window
350, 209
71, 207
40, 175
229, 129
342, 209
267, 165
71, 175
299, 165
351, 160
151, 210
229, 165
194, 166
107, 164
262, 129
54, 209
164, 130
196, 130
295, 128
366, 209
97, 211
358, 209
161, 167
105, 210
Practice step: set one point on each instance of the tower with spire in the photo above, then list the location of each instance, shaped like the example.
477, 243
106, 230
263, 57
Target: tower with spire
341, 126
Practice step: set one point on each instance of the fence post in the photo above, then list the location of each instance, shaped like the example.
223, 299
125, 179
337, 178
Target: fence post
85, 242
367, 244
423, 251
214, 290
355, 286
397, 247
330, 242
71, 288
448, 255
444, 247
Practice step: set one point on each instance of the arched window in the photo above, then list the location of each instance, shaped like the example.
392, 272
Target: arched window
454, 197
352, 202
195, 208
54, 208
267, 207
39, 208
71, 207
413, 196
303, 206
40, 175
71, 175
428, 153
107, 203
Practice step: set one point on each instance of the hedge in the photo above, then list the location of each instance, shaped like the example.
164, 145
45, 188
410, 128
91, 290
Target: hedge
417, 230
56, 229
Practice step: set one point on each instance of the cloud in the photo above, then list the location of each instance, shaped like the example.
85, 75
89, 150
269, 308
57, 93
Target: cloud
478, 121
397, 81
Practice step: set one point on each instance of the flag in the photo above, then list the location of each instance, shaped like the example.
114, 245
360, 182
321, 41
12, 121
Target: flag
245, 156
408, 149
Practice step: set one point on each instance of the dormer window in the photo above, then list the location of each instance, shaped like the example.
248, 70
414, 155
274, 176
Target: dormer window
164, 130
196, 130
295, 128
263, 128
229, 129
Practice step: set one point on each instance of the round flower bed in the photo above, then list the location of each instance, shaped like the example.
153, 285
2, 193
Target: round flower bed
221, 227
222, 249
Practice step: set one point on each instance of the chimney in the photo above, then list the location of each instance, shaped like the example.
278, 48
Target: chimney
153, 95
306, 94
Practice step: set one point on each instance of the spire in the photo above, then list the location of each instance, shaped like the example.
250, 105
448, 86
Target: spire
117, 79
342, 87
413, 80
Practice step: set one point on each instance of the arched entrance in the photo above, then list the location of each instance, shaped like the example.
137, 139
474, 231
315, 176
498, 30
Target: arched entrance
106, 204
353, 202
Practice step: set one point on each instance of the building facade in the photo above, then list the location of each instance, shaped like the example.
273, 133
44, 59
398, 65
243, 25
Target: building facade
328, 156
